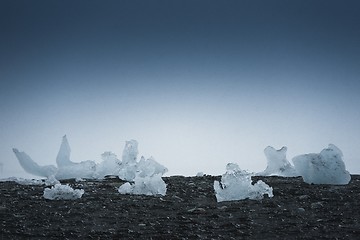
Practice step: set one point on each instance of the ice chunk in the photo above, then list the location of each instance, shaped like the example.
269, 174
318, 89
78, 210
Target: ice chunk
130, 167
84, 169
130, 152
127, 172
150, 167
236, 185
62, 192
277, 164
32, 167
148, 185
127, 169
327, 167
68, 169
110, 165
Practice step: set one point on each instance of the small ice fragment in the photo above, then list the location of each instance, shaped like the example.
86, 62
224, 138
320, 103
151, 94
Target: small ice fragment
149, 185
62, 192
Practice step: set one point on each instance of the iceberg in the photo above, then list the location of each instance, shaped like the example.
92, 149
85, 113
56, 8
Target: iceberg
32, 167
277, 164
236, 184
326, 167
62, 192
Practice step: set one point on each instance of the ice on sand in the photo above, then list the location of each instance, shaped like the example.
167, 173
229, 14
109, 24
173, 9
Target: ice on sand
236, 185
130, 167
326, 167
145, 174
127, 169
148, 185
277, 164
62, 192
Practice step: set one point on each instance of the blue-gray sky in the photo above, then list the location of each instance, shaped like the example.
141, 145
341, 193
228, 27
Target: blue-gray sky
197, 83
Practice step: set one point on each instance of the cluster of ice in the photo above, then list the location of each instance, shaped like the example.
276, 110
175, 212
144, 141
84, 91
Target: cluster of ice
326, 167
127, 169
62, 192
65, 167
145, 174
277, 164
236, 184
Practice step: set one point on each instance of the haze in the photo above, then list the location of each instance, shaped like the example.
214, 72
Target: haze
197, 83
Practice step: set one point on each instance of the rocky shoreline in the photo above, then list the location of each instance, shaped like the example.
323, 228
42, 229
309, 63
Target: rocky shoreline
188, 211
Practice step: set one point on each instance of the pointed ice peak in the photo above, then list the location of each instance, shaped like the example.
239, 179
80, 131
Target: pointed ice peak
63, 157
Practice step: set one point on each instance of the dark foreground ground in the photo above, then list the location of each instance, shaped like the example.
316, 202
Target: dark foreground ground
188, 211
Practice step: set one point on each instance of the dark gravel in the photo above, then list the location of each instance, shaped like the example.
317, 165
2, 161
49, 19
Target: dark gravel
188, 211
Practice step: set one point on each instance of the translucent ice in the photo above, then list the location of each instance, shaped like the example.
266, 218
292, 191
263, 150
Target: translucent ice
130, 152
150, 167
327, 167
68, 169
32, 167
110, 165
148, 185
277, 164
236, 185
130, 167
127, 169
84, 169
63, 157
62, 192
145, 174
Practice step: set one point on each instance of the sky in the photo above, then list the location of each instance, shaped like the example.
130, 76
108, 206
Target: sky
197, 83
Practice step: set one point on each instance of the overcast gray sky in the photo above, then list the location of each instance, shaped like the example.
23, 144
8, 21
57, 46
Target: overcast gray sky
197, 83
